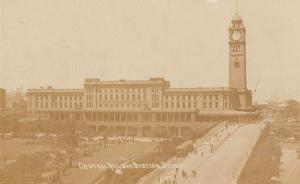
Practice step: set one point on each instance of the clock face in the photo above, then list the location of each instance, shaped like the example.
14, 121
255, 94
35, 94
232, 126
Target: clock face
236, 35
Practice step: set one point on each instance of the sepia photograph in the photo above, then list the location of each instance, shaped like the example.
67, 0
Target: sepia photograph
149, 92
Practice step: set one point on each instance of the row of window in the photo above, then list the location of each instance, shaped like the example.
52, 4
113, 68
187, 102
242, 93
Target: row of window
90, 105
57, 97
183, 105
57, 105
117, 97
194, 97
189, 105
128, 97
120, 90
180, 105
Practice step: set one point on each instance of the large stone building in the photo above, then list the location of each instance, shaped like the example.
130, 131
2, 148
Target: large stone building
2, 99
152, 101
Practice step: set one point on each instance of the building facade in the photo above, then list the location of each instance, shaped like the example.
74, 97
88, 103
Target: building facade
153, 100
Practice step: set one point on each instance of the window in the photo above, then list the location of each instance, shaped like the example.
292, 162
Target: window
210, 105
204, 105
166, 105
183, 105
178, 105
216, 105
189, 105
236, 63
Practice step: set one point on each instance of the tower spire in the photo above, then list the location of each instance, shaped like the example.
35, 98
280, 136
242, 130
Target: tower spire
236, 7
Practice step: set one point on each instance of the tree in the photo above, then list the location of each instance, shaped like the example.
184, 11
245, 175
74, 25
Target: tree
292, 108
27, 169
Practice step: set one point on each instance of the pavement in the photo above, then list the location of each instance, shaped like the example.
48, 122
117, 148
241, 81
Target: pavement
231, 149
290, 167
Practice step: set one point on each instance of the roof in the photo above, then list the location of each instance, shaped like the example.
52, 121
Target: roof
158, 80
51, 90
237, 17
201, 89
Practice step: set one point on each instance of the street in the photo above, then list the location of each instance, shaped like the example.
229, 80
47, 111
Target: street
222, 165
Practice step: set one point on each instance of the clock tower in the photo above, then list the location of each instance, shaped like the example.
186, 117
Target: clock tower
237, 54
237, 62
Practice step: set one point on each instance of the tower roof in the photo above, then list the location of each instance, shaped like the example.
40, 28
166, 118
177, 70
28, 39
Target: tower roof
237, 17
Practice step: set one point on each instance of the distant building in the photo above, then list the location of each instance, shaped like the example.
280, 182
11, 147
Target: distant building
2, 99
153, 100
16, 100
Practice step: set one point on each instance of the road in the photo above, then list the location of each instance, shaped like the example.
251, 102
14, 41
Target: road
225, 164
221, 166
154, 176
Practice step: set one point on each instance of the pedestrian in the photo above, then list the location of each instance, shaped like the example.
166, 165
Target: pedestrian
194, 173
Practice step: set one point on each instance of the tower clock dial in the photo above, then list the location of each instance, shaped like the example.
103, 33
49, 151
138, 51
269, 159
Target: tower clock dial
236, 35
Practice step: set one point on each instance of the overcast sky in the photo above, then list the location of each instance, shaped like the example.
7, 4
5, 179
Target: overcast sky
62, 42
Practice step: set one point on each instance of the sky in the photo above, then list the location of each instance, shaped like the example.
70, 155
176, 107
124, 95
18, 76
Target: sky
59, 43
